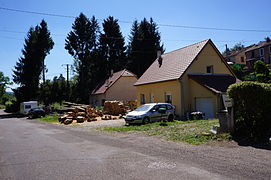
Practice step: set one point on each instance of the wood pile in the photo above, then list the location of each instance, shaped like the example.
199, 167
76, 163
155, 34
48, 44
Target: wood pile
80, 114
114, 108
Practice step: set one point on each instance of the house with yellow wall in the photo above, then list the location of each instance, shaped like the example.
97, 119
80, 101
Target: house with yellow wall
119, 86
192, 78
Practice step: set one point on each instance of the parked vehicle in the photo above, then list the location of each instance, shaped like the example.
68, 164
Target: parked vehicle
151, 112
26, 106
36, 113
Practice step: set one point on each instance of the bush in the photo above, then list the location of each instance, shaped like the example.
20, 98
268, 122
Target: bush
252, 104
12, 106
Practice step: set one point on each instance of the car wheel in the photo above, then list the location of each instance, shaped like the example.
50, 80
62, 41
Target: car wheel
146, 120
170, 118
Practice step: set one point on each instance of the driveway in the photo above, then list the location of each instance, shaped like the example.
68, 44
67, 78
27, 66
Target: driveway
35, 150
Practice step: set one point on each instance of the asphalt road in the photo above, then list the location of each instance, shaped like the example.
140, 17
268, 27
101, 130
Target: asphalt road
34, 150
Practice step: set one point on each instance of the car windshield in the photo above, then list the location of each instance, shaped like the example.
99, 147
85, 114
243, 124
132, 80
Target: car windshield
144, 108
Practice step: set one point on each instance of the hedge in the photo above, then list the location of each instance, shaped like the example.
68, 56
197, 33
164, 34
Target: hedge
252, 109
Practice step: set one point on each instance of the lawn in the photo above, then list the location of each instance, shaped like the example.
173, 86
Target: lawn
193, 132
49, 119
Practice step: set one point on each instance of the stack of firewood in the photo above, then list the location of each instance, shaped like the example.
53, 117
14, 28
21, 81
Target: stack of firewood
80, 114
114, 108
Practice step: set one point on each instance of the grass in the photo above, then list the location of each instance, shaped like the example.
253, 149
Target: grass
193, 132
48, 119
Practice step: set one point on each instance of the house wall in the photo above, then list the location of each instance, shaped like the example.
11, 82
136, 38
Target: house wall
158, 90
191, 89
184, 91
96, 100
238, 58
122, 90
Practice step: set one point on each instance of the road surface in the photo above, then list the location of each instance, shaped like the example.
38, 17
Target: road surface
35, 150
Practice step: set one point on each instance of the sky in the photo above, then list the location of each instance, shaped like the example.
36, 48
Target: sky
230, 14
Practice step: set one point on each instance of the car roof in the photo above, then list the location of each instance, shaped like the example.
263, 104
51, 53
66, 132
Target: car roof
157, 104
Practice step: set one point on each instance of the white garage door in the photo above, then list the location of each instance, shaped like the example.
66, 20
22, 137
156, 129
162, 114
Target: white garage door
205, 105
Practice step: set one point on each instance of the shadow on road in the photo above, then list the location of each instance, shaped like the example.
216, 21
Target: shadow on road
257, 145
10, 115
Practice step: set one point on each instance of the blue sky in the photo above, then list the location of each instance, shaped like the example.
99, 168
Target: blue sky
230, 14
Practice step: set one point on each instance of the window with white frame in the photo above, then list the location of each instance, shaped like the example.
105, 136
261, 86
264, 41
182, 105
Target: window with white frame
142, 98
261, 52
168, 97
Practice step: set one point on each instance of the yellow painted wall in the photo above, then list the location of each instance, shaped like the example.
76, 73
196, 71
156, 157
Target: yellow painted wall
122, 90
158, 90
191, 89
185, 88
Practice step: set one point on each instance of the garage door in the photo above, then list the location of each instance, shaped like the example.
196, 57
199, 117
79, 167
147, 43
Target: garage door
205, 105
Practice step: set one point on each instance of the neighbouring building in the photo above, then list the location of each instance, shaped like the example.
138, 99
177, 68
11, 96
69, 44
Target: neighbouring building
192, 78
260, 51
119, 86
237, 57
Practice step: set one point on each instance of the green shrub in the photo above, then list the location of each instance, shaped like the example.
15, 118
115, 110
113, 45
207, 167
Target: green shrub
12, 106
252, 104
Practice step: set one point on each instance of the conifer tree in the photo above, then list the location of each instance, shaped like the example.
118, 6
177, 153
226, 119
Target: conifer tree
28, 69
81, 43
145, 41
112, 46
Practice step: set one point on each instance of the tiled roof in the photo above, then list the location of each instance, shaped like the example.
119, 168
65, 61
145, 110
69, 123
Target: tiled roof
102, 88
174, 64
259, 45
215, 82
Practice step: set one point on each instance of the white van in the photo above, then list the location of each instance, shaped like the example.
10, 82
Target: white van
26, 106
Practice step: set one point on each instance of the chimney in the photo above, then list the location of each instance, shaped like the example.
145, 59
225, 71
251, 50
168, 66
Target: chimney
159, 57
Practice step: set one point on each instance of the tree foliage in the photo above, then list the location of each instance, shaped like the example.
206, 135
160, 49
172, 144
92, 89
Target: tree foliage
144, 42
4, 81
252, 109
81, 43
28, 69
112, 46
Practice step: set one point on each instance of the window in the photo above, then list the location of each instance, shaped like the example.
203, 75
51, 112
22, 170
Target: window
242, 59
151, 98
27, 106
261, 52
168, 98
142, 98
169, 107
252, 54
210, 69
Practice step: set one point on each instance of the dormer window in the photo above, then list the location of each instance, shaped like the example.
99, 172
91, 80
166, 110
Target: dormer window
210, 69
261, 52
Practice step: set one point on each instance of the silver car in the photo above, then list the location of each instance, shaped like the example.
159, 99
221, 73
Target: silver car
151, 112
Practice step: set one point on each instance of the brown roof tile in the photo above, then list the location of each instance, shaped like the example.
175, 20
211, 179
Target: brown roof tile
102, 88
174, 64
215, 82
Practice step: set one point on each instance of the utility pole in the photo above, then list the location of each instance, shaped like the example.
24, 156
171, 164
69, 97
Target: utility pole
67, 78
43, 71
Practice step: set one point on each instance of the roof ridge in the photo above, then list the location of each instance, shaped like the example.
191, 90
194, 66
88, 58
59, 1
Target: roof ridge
187, 46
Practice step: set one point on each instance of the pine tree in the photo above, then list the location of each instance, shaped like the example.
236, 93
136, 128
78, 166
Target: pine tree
145, 41
112, 46
81, 43
29, 67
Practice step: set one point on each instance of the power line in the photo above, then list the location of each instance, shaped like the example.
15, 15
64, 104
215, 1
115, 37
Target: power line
117, 38
39, 13
129, 22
